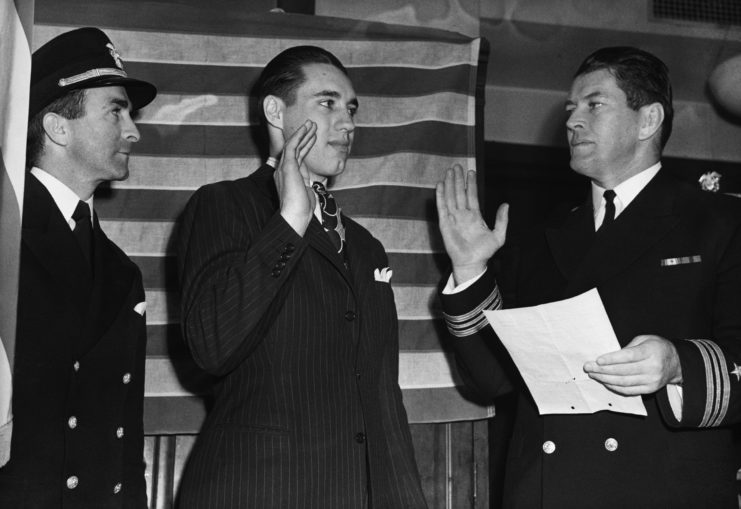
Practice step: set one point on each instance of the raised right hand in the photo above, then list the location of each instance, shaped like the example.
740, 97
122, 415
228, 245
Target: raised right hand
297, 201
468, 240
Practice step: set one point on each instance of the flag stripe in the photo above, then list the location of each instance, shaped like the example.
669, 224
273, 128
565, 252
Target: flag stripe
160, 272
152, 238
414, 335
378, 201
374, 111
431, 137
197, 49
413, 302
198, 79
185, 414
189, 173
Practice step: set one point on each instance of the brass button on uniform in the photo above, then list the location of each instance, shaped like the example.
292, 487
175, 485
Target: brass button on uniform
76, 366
72, 482
611, 444
126, 378
549, 447
119, 432
72, 422
117, 488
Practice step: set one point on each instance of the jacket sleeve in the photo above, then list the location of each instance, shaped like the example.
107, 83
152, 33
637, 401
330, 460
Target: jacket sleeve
236, 255
481, 357
711, 367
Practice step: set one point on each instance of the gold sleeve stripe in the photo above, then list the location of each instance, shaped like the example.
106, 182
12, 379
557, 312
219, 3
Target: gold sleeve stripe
718, 386
473, 321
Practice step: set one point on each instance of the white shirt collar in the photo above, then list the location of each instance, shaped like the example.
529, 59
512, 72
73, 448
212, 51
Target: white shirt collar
625, 192
65, 198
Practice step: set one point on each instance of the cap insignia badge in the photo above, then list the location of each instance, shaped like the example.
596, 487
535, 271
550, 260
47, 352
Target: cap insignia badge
115, 54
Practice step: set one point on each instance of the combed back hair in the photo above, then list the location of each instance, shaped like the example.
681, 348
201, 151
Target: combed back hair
643, 78
284, 74
69, 106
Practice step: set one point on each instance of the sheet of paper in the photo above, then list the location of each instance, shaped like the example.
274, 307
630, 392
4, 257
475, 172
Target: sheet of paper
550, 344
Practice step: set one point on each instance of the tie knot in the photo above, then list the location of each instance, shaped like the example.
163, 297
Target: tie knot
82, 211
609, 195
319, 188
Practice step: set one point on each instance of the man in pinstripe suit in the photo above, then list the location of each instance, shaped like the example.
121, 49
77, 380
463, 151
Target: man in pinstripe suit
301, 335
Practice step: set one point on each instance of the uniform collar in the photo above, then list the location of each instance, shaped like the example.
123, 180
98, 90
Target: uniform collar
65, 198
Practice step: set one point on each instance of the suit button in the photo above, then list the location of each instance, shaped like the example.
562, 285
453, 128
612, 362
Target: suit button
360, 438
119, 432
280, 265
611, 444
126, 378
276, 272
290, 248
285, 257
76, 366
72, 482
117, 488
549, 447
357, 374
350, 316
72, 422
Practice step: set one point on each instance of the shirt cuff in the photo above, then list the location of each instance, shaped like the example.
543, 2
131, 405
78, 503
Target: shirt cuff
675, 395
451, 289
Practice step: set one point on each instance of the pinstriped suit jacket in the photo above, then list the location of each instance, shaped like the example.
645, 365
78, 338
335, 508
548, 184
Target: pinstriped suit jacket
308, 411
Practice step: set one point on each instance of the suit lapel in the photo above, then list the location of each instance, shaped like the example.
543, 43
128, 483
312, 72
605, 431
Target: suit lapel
319, 240
637, 229
358, 257
49, 239
570, 241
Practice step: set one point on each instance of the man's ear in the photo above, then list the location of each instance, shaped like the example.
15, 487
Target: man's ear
56, 128
652, 117
273, 108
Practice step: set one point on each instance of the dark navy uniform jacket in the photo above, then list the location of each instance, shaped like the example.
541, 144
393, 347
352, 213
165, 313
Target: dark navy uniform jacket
79, 371
669, 265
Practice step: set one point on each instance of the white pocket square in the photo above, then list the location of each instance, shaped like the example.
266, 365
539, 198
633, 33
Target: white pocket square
141, 308
383, 275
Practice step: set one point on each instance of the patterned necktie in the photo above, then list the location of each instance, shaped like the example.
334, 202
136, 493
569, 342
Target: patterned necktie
84, 229
609, 196
331, 217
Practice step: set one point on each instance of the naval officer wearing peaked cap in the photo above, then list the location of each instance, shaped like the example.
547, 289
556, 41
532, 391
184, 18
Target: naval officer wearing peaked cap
79, 366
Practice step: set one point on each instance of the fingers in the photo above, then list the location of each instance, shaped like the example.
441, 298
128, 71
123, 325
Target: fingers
306, 143
295, 139
472, 195
501, 222
459, 180
456, 190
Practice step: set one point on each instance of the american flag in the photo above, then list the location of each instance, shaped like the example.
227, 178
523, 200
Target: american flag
418, 94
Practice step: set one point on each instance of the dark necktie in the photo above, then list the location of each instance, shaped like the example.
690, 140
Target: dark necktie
84, 229
331, 220
609, 196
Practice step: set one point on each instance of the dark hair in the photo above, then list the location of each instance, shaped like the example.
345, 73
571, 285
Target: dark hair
70, 106
284, 73
642, 76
